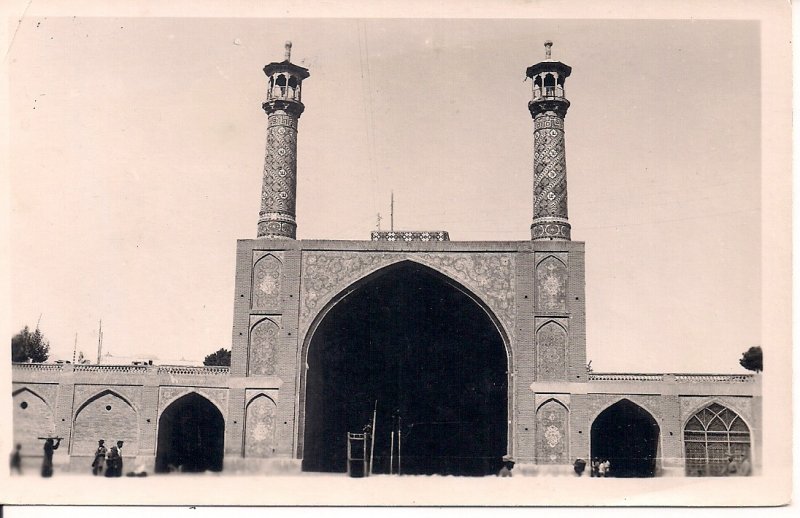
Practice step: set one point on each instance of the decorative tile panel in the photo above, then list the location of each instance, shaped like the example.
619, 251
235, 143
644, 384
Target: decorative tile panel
552, 433
551, 285
267, 282
259, 437
263, 342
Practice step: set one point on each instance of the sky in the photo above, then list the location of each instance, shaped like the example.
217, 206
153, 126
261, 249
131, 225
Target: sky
137, 145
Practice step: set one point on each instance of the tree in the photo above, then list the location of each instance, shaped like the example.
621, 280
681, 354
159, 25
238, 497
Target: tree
221, 358
27, 346
753, 359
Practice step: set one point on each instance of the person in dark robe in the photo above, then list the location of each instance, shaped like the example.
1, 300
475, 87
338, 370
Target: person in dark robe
47, 463
16, 460
119, 460
112, 460
99, 458
508, 465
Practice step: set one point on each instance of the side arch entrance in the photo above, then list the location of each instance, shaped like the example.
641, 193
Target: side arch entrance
627, 436
191, 435
433, 359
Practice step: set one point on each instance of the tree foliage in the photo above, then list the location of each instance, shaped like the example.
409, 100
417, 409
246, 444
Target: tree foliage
27, 346
220, 358
753, 359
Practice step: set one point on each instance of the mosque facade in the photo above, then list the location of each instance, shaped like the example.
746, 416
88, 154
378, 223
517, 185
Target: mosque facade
455, 354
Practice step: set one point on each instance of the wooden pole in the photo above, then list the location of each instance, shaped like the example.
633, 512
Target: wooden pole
399, 446
391, 455
372, 439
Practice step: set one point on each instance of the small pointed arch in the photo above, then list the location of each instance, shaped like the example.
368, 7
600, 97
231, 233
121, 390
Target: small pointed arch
551, 258
259, 426
552, 400
628, 436
190, 435
187, 393
106, 415
281, 80
32, 417
537, 81
697, 411
551, 322
717, 442
549, 80
100, 394
34, 394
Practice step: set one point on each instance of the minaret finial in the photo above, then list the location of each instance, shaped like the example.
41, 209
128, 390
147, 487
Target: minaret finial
287, 55
548, 45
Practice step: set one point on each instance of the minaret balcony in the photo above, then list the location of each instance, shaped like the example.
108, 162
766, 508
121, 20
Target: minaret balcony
548, 92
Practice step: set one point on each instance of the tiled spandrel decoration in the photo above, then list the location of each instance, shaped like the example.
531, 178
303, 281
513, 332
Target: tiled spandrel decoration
267, 282
551, 429
263, 342
551, 285
259, 438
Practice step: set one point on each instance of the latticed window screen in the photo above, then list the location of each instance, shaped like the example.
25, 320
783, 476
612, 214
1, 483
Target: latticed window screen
711, 436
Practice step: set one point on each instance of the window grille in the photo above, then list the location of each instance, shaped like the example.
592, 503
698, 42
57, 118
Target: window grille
711, 436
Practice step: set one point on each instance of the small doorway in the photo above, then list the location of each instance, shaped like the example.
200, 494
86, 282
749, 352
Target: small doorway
191, 436
627, 436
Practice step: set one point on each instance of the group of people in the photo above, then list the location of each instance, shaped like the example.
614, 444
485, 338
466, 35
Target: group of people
601, 467
107, 461
738, 468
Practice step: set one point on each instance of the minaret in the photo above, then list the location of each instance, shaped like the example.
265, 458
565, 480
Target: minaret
276, 219
548, 109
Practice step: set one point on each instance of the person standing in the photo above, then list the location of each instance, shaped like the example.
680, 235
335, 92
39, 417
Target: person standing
112, 458
47, 463
99, 458
744, 467
733, 468
119, 459
606, 468
508, 465
16, 460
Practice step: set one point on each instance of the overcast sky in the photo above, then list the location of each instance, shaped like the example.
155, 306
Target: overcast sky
137, 147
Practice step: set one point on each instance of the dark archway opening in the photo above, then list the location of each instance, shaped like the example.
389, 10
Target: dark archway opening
626, 435
432, 359
191, 436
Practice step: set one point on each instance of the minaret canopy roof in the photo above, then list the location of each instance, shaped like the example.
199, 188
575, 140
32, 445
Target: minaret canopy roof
549, 65
286, 66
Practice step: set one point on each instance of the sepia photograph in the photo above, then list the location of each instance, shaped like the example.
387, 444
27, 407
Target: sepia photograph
513, 256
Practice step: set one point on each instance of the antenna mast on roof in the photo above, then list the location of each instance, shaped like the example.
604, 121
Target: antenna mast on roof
100, 342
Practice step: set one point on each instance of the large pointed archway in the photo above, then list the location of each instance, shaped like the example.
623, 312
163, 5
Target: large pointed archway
191, 434
431, 357
627, 436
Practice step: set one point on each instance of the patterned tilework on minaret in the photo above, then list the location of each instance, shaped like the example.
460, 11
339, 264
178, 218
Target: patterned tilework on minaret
277, 217
548, 109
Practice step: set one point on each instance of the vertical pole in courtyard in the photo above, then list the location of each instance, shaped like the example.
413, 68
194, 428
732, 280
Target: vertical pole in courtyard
391, 454
391, 214
372, 439
399, 445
